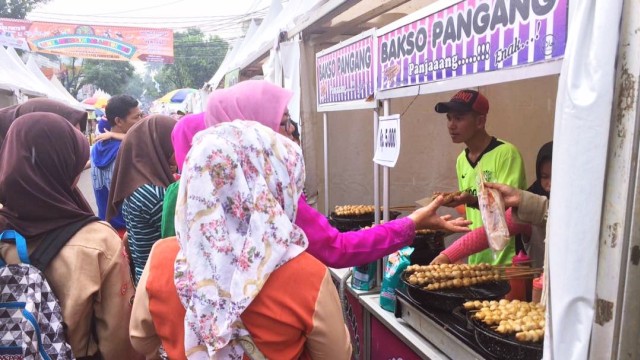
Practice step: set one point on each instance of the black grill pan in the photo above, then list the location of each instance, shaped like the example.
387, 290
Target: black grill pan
504, 346
449, 299
348, 223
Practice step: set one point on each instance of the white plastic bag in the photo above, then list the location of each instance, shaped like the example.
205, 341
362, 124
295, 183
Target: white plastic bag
491, 206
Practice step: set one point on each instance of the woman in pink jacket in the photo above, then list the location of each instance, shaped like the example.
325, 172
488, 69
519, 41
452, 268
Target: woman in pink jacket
267, 103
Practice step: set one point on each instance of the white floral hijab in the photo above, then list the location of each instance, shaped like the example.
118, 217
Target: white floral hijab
234, 221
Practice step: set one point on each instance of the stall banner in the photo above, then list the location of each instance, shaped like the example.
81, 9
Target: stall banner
346, 72
470, 37
12, 33
93, 41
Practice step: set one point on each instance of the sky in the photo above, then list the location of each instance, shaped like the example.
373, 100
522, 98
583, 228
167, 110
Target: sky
219, 17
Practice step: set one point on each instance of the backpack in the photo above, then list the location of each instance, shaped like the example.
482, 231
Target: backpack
31, 324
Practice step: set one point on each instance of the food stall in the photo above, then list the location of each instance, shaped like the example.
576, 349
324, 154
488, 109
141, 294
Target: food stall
451, 46
513, 53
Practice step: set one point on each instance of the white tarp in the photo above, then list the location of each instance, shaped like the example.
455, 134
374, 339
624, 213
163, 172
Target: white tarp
18, 76
17, 61
58, 85
225, 66
278, 19
290, 60
270, 67
581, 134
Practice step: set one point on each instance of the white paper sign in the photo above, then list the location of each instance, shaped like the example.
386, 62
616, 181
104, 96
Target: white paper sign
388, 141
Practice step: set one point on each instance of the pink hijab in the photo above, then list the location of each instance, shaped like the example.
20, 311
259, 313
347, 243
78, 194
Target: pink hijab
256, 100
183, 134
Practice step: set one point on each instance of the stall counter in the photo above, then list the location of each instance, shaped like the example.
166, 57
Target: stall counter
392, 338
354, 313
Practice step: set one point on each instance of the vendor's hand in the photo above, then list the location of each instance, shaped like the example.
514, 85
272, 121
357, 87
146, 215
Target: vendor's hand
427, 218
510, 194
463, 199
441, 259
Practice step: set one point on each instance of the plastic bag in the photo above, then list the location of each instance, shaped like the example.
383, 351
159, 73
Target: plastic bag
396, 263
491, 206
364, 276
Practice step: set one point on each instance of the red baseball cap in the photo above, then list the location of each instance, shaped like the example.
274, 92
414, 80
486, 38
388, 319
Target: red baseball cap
465, 101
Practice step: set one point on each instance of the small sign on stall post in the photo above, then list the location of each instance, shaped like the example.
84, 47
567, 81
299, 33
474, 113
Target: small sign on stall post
388, 141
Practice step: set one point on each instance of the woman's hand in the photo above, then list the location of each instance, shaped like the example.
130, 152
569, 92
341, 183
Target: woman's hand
510, 194
463, 199
441, 259
427, 218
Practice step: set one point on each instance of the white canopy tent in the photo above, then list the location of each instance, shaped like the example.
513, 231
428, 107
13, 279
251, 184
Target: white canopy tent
20, 66
257, 43
225, 67
58, 85
17, 77
8, 91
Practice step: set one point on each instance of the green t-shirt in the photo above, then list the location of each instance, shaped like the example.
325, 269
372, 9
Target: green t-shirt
502, 163
168, 227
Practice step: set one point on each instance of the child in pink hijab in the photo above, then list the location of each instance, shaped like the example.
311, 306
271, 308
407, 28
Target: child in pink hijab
181, 137
266, 103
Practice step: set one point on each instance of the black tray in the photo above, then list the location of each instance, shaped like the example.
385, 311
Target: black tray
454, 322
449, 299
349, 223
504, 346
427, 247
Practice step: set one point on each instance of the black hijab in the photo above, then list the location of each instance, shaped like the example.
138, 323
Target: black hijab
544, 154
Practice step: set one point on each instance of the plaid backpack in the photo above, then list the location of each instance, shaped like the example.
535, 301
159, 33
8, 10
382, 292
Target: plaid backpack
31, 324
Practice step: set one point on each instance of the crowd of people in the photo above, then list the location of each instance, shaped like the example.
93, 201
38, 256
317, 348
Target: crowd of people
204, 245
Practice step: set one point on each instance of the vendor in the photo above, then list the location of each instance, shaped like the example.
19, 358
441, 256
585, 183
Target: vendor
534, 244
501, 161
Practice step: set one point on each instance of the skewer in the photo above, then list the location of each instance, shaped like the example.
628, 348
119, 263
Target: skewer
402, 207
522, 273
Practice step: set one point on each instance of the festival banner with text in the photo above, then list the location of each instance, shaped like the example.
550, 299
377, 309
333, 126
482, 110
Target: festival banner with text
90, 41
13, 33
470, 37
346, 72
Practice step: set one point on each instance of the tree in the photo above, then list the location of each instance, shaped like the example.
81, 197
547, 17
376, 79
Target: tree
17, 9
151, 86
196, 58
108, 75
135, 87
71, 74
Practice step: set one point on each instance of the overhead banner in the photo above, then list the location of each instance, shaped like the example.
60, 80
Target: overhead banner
470, 37
13, 33
345, 72
91, 41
